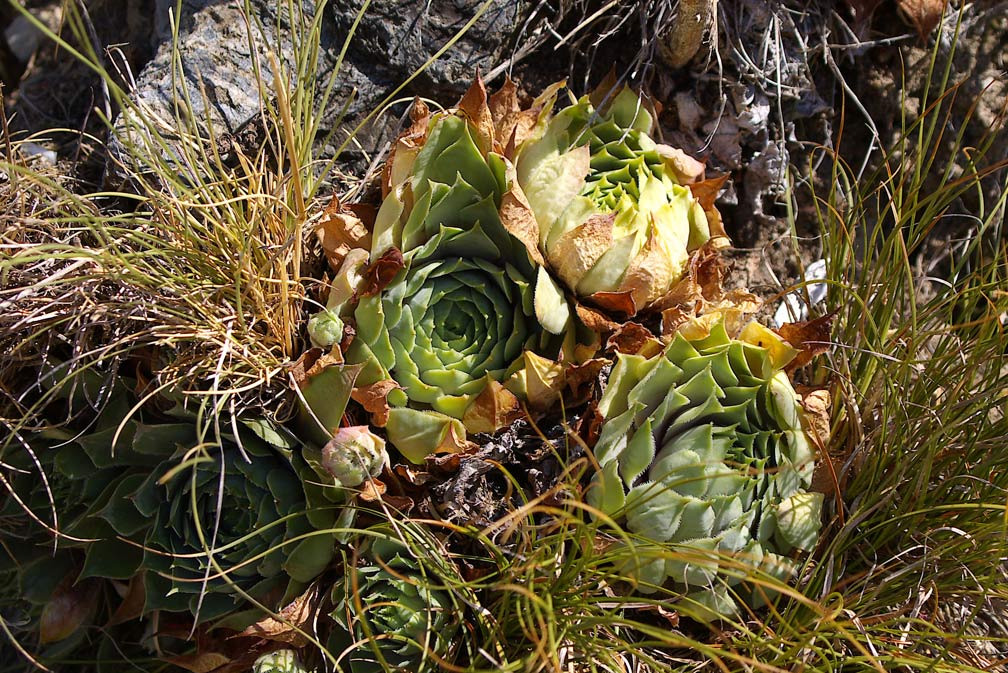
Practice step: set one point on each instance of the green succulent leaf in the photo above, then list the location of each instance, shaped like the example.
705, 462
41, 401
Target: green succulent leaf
281, 661
214, 514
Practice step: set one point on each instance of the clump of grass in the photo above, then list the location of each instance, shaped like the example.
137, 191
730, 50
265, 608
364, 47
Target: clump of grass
202, 270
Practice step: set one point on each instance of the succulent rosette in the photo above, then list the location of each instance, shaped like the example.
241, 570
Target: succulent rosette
389, 610
204, 513
471, 314
216, 517
703, 452
616, 216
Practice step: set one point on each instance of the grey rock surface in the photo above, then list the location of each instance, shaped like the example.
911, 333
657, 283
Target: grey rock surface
219, 52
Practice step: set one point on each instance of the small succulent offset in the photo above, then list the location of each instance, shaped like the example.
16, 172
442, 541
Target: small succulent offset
389, 611
614, 209
354, 455
281, 661
703, 452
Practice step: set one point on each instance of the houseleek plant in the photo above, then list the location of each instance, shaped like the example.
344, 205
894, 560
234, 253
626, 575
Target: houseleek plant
471, 314
614, 208
391, 611
703, 452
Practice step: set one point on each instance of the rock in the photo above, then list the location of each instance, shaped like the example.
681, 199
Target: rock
394, 39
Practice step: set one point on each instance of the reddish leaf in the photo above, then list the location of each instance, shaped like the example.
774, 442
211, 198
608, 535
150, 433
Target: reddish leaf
445, 463
293, 619
924, 15
381, 272
71, 607
811, 338
581, 379
634, 339
374, 399
615, 302
412, 475
706, 191
595, 320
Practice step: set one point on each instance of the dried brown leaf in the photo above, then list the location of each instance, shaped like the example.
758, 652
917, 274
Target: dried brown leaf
581, 379
408, 142
412, 475
200, 662
650, 271
615, 302
924, 15
381, 272
374, 399
474, 106
293, 619
816, 420
595, 320
634, 339
672, 319
342, 228
372, 490
519, 219
313, 361
445, 463
71, 607
589, 426
810, 337
132, 603
706, 191
494, 408
577, 250
506, 111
